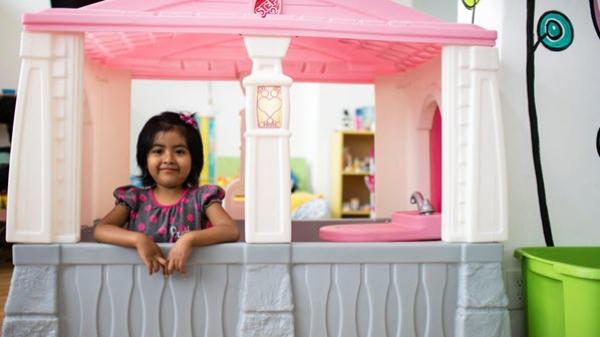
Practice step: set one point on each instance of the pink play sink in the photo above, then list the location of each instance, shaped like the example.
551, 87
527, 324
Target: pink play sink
404, 226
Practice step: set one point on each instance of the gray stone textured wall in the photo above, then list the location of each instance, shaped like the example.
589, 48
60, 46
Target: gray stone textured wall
431, 289
31, 307
482, 302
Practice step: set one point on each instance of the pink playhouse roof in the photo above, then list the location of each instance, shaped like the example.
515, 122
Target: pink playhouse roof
332, 40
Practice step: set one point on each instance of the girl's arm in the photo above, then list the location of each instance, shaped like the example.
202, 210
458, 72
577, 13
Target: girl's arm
224, 229
109, 230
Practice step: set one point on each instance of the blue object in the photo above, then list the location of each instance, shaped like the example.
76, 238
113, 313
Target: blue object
294, 181
555, 31
8, 91
136, 181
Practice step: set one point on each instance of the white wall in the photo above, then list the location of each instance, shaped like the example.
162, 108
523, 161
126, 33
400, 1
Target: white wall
316, 110
150, 97
10, 35
566, 92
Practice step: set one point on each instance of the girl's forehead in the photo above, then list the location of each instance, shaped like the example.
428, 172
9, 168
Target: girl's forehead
169, 137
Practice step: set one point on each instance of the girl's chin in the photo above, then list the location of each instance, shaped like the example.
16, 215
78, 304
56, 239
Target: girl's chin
171, 184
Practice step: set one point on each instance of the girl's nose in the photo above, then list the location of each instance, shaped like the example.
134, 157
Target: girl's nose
168, 157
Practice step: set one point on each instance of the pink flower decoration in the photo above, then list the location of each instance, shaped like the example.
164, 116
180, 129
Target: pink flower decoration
153, 218
147, 208
171, 220
189, 217
143, 198
162, 230
180, 209
133, 198
141, 227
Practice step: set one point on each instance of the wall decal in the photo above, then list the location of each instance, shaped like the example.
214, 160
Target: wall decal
470, 5
595, 11
555, 31
598, 142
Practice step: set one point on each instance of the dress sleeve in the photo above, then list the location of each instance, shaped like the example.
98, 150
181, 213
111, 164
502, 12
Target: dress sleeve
126, 196
209, 195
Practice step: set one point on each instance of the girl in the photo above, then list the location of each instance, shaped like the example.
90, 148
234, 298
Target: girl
170, 207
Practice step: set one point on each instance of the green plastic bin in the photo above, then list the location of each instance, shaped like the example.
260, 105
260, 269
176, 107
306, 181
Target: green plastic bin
562, 291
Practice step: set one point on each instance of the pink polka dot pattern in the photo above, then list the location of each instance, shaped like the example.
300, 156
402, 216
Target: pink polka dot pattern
167, 223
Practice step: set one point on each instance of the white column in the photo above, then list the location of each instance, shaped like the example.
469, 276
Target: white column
474, 166
44, 192
267, 177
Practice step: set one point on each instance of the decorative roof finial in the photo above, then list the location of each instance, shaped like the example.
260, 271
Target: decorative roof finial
264, 7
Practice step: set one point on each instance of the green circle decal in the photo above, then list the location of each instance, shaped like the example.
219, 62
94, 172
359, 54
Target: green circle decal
555, 31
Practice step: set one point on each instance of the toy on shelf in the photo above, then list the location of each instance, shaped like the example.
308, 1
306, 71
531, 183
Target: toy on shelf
370, 182
365, 118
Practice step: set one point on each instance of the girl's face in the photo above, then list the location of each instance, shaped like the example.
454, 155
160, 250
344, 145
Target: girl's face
169, 160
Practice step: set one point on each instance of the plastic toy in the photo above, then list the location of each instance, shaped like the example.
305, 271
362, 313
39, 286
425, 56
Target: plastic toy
417, 63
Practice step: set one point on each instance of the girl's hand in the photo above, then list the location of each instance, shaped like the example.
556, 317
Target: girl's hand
178, 255
150, 254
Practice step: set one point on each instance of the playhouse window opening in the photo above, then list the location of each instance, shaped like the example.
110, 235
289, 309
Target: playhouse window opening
332, 155
317, 112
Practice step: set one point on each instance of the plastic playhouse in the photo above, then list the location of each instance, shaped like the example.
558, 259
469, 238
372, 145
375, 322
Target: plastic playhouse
73, 109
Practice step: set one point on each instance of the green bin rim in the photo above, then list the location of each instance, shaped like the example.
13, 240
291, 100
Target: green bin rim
534, 253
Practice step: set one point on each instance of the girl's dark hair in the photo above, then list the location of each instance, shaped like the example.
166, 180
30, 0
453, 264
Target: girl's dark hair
168, 121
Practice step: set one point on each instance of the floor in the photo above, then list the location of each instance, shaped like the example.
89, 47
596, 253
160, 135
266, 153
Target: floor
5, 274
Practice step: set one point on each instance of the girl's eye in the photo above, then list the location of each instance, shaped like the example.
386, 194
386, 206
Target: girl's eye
181, 151
156, 151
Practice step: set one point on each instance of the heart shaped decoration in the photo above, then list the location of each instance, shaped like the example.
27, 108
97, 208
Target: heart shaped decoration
268, 106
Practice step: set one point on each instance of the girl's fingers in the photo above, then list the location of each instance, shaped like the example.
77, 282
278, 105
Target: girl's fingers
153, 266
148, 263
170, 267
